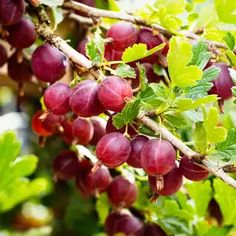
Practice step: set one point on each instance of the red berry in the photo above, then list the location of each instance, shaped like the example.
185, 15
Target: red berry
124, 35
66, 165
122, 193
172, 182
192, 171
82, 130
48, 63
137, 144
113, 149
84, 99
122, 224
37, 125
22, 34
113, 91
11, 11
19, 68
99, 129
56, 98
223, 84
158, 157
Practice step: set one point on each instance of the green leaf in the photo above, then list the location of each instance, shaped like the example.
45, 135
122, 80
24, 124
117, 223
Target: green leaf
201, 193
139, 51
201, 55
226, 10
215, 133
227, 149
184, 104
95, 48
52, 3
204, 85
173, 219
14, 187
231, 56
102, 207
199, 137
24, 166
177, 120
230, 40
225, 196
142, 76
218, 231
113, 6
128, 114
124, 71
181, 74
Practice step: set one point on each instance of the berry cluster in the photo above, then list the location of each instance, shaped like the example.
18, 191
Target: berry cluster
73, 114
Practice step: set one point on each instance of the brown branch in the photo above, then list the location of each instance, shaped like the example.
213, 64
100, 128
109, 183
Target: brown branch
94, 12
81, 19
205, 163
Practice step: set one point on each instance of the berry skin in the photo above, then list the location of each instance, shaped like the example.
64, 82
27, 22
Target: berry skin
84, 99
124, 35
137, 144
122, 193
11, 11
82, 130
152, 230
37, 125
92, 183
112, 93
19, 70
3, 55
172, 182
67, 134
66, 165
81, 47
192, 171
157, 157
223, 84
22, 34
113, 149
99, 125
48, 63
119, 223
53, 123
56, 98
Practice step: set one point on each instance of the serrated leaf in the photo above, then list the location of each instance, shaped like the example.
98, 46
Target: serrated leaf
201, 193
201, 56
124, 71
215, 133
139, 51
177, 120
128, 114
181, 74
95, 48
230, 40
225, 196
227, 149
199, 137
184, 104
52, 3
142, 76
204, 85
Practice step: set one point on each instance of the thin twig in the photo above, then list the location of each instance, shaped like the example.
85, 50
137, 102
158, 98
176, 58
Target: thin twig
196, 157
81, 19
94, 12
